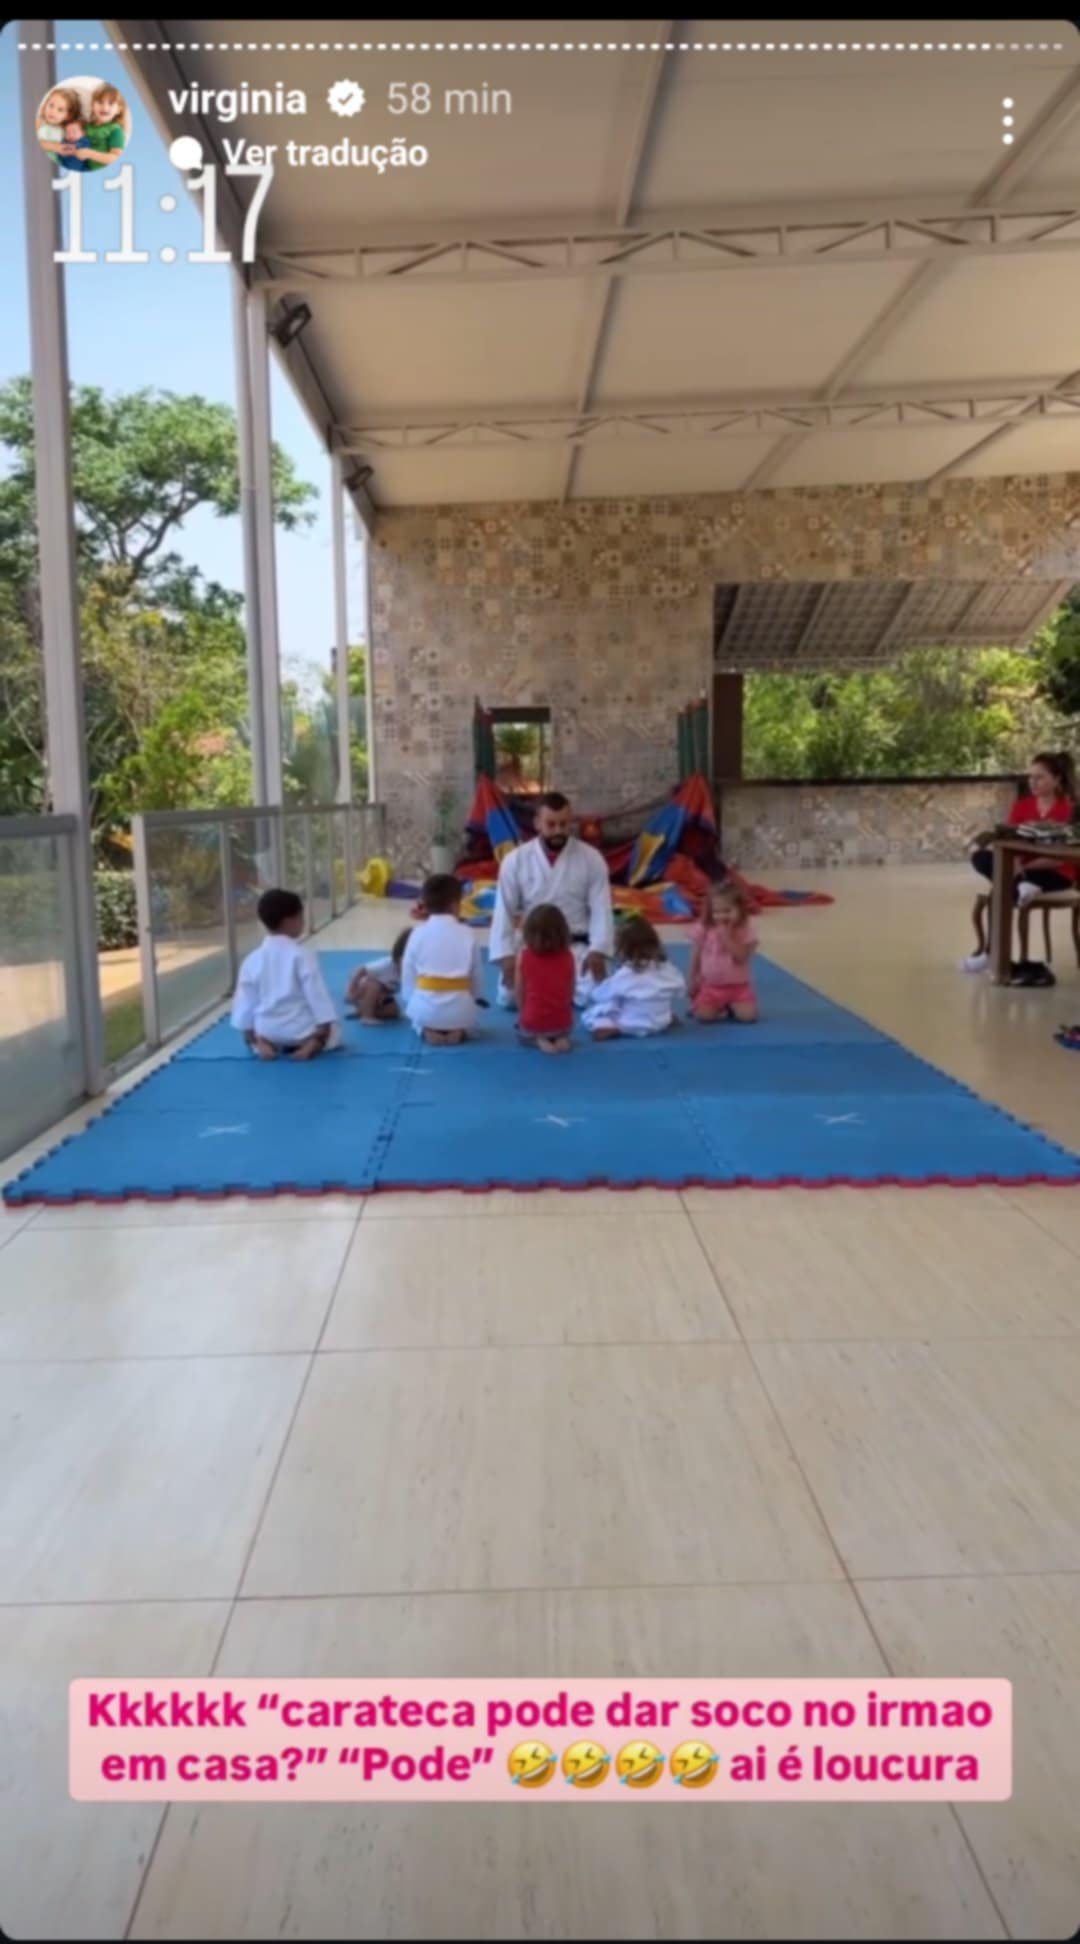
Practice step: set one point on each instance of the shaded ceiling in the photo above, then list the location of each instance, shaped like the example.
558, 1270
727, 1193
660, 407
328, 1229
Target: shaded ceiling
690, 258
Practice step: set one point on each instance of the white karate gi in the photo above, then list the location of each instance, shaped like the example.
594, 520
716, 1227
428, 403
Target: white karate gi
636, 1002
577, 882
442, 976
281, 994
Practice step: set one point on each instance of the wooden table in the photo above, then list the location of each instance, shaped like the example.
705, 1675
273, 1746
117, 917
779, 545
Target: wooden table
1009, 855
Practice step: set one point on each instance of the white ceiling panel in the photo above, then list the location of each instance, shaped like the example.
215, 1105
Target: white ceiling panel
988, 320
746, 331
669, 466
393, 347
846, 458
754, 131
432, 479
1039, 446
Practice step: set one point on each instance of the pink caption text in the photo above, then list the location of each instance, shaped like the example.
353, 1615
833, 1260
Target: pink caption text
712, 1740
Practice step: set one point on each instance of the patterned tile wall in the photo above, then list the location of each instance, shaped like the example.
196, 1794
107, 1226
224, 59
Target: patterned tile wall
603, 610
772, 827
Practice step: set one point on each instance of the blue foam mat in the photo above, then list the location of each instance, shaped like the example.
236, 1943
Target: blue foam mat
811, 1093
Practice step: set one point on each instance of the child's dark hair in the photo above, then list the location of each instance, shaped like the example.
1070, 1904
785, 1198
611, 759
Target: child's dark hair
1062, 768
276, 906
397, 950
639, 944
441, 894
731, 893
546, 931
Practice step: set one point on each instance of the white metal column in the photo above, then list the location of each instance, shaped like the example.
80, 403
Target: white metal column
341, 626
369, 684
246, 454
257, 507
69, 778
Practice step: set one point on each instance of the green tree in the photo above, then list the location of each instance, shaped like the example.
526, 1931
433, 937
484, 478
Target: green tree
937, 712
310, 731
163, 650
1058, 650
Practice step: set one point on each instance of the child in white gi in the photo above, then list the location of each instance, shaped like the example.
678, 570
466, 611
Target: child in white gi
442, 978
281, 1003
373, 989
639, 997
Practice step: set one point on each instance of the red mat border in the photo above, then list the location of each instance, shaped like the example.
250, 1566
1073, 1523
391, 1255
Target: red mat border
535, 1188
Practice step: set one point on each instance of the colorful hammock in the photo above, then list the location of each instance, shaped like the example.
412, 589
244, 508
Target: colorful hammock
661, 872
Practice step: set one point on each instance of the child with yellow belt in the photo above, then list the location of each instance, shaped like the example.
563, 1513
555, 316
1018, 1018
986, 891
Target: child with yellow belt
442, 976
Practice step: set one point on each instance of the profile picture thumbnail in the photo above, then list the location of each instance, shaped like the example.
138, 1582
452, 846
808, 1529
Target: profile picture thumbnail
84, 124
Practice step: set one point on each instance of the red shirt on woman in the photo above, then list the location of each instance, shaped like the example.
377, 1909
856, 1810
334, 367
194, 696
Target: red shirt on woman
547, 992
1026, 810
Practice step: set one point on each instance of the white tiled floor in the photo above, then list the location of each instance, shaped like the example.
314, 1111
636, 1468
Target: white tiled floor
737, 1434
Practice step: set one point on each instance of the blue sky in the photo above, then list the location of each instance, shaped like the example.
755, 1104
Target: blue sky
170, 327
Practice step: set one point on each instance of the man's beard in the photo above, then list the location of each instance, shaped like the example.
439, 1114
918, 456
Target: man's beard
557, 843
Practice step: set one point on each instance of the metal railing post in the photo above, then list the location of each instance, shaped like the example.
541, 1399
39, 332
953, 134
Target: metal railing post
350, 865
309, 872
144, 908
228, 901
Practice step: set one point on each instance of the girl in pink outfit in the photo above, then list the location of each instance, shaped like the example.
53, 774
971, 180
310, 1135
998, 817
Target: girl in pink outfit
724, 944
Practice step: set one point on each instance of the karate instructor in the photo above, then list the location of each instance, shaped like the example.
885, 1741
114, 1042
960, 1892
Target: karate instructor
555, 867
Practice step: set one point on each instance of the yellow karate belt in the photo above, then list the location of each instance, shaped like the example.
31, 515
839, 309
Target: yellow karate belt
429, 982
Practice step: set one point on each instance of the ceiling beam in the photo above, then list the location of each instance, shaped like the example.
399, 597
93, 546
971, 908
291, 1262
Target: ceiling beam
794, 214
1041, 407
710, 246
1003, 180
997, 407
603, 297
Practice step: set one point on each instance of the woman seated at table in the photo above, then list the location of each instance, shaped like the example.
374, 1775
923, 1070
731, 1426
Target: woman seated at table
1051, 798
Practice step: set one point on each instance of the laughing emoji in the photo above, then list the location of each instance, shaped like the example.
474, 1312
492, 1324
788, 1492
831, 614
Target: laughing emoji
531, 1764
640, 1765
585, 1765
694, 1765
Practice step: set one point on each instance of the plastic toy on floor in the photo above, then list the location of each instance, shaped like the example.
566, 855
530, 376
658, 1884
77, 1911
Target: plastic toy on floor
1069, 1036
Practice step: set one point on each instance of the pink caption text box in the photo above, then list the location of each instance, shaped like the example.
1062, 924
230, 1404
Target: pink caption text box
153, 1740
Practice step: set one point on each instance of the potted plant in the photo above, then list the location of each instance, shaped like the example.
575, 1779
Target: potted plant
445, 835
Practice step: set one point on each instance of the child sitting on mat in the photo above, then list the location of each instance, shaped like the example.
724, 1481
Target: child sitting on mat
724, 944
546, 974
639, 997
281, 1003
372, 991
442, 978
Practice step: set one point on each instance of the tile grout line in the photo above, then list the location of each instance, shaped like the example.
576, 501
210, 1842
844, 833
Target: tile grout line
571, 1587
953, 1807
789, 1445
232, 1603
714, 1273
1036, 1222
737, 1342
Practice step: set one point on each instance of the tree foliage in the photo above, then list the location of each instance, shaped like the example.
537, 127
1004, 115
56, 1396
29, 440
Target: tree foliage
938, 712
164, 656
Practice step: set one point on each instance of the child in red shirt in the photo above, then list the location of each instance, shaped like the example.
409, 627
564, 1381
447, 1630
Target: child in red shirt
724, 943
546, 974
